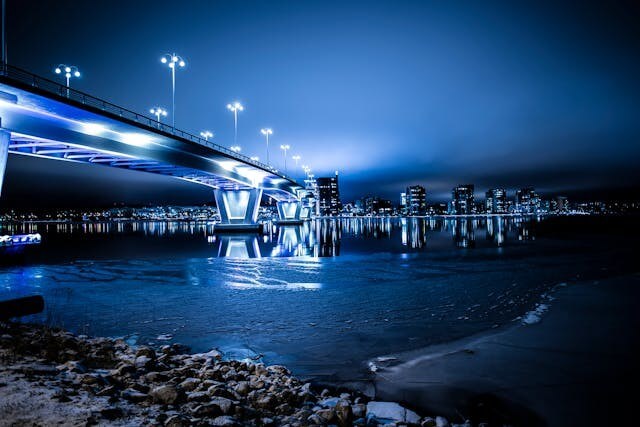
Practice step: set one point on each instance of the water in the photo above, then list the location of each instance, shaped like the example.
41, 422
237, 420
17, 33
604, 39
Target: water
322, 298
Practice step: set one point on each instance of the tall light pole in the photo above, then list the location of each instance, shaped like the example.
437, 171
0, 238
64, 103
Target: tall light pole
173, 61
267, 132
285, 148
68, 71
158, 112
206, 134
296, 158
235, 108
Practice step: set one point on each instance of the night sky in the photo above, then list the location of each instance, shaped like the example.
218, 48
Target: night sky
390, 93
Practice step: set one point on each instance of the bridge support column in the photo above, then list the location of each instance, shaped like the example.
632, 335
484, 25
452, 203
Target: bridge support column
289, 212
238, 209
5, 138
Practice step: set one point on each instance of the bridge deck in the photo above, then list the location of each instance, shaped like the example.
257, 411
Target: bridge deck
48, 120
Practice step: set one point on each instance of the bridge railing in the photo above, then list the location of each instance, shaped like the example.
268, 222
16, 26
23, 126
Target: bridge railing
60, 90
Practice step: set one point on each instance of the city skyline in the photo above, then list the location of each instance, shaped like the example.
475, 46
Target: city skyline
516, 120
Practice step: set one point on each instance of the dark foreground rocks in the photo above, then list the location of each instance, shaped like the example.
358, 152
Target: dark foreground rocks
50, 376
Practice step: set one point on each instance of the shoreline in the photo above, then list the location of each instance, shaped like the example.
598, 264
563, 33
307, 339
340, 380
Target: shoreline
571, 367
49, 376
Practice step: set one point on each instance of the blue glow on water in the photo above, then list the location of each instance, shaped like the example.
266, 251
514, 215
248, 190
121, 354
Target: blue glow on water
389, 289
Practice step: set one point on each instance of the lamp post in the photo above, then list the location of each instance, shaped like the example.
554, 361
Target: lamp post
255, 158
235, 108
267, 132
235, 148
206, 134
69, 71
296, 158
173, 61
285, 148
158, 112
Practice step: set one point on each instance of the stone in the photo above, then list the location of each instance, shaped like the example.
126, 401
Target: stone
243, 388
166, 395
328, 414
134, 395
224, 420
428, 422
344, 412
359, 410
442, 422
391, 411
143, 362
190, 384
112, 413
207, 410
146, 352
177, 421
225, 404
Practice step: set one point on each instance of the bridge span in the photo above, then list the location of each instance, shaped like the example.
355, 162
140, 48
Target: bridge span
42, 118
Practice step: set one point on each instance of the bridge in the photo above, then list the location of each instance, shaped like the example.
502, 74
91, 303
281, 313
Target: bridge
42, 118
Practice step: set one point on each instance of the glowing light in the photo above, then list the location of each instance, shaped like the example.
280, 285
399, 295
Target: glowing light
136, 139
206, 134
266, 131
93, 129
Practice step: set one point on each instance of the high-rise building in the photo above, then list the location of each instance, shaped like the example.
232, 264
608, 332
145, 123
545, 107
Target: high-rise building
416, 200
462, 200
496, 201
328, 196
527, 200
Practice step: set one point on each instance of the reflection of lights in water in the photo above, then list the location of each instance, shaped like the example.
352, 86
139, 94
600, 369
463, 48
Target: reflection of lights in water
280, 287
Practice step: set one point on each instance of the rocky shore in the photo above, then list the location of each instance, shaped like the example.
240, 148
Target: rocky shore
52, 377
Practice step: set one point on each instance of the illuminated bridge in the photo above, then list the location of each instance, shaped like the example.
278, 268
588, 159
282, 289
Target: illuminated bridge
41, 118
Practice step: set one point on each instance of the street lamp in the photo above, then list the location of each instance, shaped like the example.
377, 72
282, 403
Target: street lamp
296, 158
69, 71
285, 148
267, 132
206, 134
235, 108
158, 112
255, 158
235, 148
173, 61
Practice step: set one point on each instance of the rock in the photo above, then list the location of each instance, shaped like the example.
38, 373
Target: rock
197, 396
166, 395
328, 415
145, 351
190, 384
278, 369
266, 402
72, 366
344, 412
428, 422
143, 362
112, 413
242, 388
329, 403
359, 410
177, 421
207, 410
442, 422
391, 411
315, 419
225, 404
224, 420
134, 395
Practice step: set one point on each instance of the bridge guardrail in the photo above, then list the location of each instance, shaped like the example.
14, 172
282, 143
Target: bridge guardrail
60, 90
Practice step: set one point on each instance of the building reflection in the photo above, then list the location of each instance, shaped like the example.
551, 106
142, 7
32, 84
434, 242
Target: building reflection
238, 246
316, 238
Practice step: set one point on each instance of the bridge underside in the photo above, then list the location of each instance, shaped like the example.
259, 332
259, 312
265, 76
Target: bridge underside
38, 147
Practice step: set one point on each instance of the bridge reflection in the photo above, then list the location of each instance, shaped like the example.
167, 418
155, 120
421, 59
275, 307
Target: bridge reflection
323, 237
